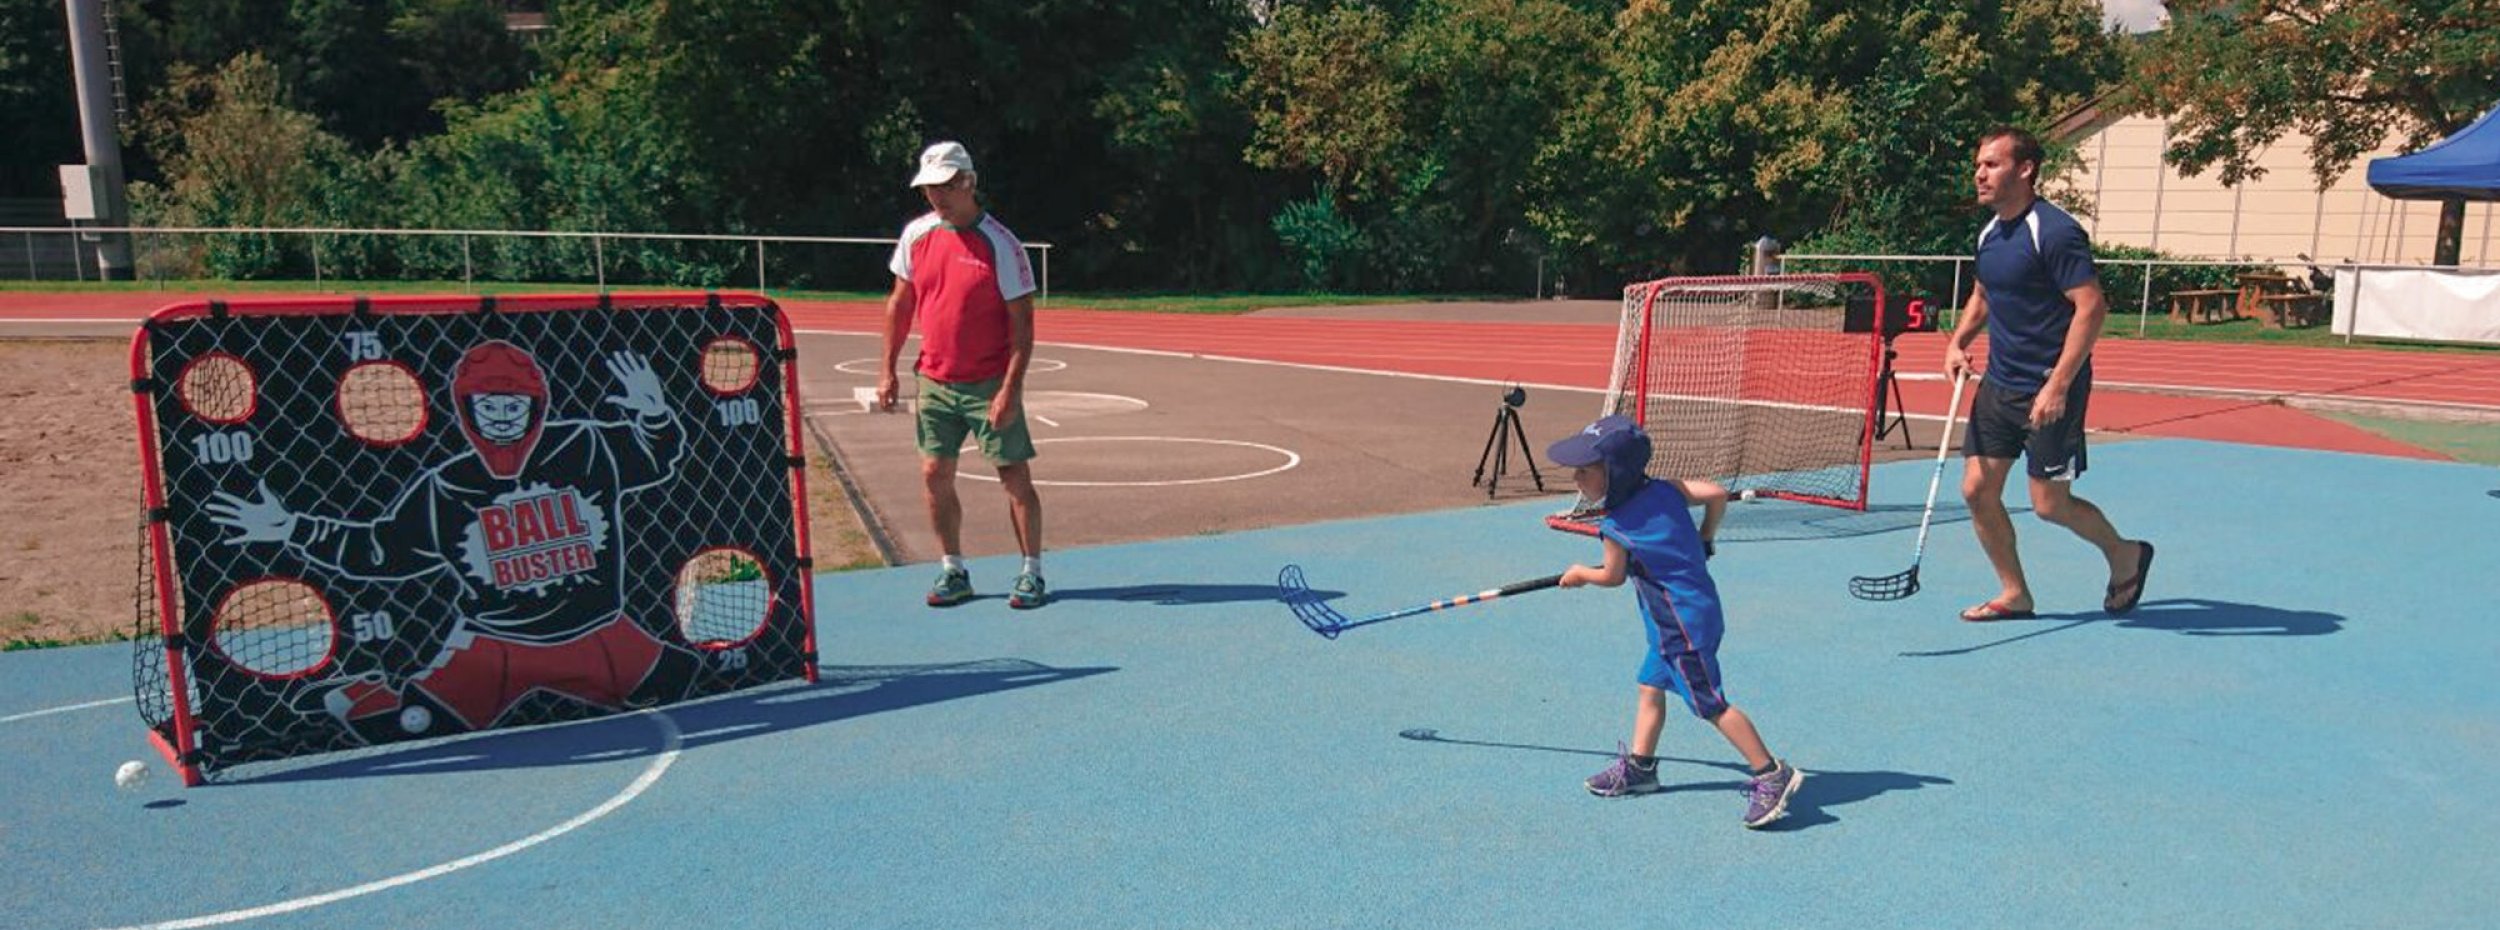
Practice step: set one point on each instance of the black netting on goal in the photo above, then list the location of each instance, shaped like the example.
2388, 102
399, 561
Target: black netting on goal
404, 518
1765, 384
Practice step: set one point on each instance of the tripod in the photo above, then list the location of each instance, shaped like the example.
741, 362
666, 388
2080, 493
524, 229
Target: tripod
1888, 388
1497, 445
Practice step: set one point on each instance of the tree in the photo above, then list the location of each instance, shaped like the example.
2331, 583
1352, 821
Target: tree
37, 101
1719, 120
458, 49
1421, 125
2234, 76
341, 62
235, 154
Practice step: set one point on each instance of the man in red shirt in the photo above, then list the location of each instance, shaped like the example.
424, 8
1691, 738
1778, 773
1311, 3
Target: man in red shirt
965, 280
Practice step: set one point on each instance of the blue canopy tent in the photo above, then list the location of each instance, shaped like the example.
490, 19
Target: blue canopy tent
2465, 166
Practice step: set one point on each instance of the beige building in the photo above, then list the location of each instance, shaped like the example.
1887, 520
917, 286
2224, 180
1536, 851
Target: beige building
2135, 199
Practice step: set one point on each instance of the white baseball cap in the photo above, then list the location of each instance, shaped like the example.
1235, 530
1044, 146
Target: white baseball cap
940, 163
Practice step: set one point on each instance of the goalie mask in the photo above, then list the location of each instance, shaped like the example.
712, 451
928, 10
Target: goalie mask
501, 398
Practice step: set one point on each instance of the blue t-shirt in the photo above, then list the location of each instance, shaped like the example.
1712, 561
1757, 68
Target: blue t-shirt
2027, 264
1655, 527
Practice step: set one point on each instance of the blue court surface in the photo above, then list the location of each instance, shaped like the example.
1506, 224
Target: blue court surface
2300, 727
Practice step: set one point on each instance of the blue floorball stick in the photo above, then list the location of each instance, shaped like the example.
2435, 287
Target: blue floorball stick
1326, 621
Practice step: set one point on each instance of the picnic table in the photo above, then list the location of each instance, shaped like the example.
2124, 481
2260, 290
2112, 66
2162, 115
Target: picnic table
2275, 300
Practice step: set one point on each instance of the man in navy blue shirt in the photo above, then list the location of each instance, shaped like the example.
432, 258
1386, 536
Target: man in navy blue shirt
2040, 300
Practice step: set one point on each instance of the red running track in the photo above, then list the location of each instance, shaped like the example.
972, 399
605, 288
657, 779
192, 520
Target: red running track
2141, 383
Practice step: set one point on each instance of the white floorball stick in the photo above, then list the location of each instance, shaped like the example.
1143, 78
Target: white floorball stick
1902, 584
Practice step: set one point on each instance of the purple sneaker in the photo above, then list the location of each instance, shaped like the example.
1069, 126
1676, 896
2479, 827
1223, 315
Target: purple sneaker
1766, 796
1624, 779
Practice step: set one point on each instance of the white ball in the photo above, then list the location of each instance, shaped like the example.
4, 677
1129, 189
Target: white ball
1745, 495
131, 775
415, 719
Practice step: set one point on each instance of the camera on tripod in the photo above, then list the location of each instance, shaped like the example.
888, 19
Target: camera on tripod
1506, 425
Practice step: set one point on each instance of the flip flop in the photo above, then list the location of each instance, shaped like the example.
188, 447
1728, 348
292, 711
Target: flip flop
1993, 611
2133, 586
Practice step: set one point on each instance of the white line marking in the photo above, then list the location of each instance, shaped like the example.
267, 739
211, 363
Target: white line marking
13, 718
1291, 459
650, 775
870, 366
2134, 386
1045, 421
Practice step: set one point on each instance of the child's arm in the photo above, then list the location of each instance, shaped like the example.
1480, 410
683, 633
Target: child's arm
1618, 565
1713, 501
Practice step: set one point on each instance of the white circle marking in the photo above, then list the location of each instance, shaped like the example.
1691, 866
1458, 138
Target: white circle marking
1291, 459
671, 736
48, 711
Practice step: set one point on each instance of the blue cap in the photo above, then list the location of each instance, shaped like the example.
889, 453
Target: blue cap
1604, 440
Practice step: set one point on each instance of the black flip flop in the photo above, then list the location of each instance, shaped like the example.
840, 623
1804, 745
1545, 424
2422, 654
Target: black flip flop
2133, 586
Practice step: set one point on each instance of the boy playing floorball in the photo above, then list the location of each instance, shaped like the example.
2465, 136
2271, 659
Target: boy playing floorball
1650, 539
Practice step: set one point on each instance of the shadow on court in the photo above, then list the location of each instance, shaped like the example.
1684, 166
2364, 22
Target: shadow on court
1823, 789
840, 693
2187, 616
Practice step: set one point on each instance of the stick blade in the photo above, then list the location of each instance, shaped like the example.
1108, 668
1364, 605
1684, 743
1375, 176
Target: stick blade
1891, 587
1307, 606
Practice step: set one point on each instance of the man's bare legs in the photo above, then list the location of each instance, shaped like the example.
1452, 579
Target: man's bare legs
1983, 488
946, 511
1024, 507
2056, 502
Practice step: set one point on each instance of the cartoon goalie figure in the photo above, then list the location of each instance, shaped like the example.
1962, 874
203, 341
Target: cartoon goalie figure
527, 521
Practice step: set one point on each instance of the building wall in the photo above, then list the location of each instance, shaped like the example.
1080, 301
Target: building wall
2142, 202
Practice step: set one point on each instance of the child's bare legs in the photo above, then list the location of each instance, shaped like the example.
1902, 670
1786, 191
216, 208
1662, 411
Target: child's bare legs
1636, 770
1647, 720
1651, 718
1740, 733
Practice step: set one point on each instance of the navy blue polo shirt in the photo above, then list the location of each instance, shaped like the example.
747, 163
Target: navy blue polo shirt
2027, 264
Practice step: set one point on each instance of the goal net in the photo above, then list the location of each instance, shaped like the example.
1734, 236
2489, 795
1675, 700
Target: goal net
378, 520
1764, 384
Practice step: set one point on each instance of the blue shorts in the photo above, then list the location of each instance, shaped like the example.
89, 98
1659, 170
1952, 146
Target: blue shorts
1683, 654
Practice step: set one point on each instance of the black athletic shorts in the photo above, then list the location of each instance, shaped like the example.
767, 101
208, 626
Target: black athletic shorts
2000, 428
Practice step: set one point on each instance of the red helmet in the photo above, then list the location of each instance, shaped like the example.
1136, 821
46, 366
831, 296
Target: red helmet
498, 367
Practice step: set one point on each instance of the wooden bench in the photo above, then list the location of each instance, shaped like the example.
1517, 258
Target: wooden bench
2279, 300
2279, 311
2198, 306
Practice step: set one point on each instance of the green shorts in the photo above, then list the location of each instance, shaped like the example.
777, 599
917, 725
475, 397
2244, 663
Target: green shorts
948, 411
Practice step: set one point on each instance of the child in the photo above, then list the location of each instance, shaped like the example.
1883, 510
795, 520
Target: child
1650, 539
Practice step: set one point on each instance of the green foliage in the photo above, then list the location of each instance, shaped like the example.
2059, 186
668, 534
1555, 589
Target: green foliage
36, 98
2233, 78
2124, 284
238, 155
1424, 123
576, 156
1742, 118
1326, 244
1417, 145
741, 568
